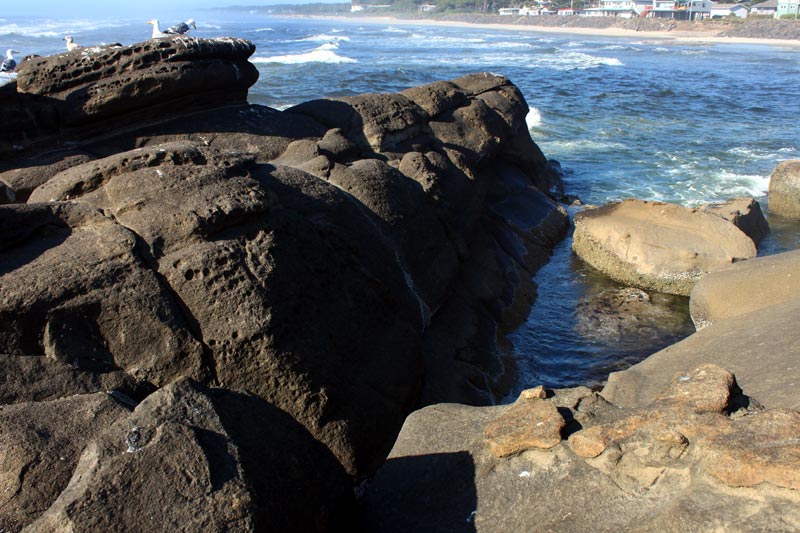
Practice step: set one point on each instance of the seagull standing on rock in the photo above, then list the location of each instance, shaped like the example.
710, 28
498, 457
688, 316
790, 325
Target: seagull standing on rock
157, 33
181, 28
9, 64
71, 45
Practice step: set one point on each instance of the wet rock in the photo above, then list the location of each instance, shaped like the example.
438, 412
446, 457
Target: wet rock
746, 287
657, 246
784, 190
527, 424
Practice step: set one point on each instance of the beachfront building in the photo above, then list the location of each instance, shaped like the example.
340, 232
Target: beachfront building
508, 11
788, 8
621, 8
768, 8
728, 10
681, 9
427, 8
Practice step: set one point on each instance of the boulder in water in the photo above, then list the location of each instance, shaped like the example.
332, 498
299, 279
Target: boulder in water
784, 190
658, 246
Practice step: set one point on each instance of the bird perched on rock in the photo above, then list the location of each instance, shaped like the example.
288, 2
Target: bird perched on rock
71, 45
181, 28
157, 33
9, 64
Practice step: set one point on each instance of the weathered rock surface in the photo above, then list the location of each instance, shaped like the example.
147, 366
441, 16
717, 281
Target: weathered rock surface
79, 93
658, 246
746, 287
529, 423
784, 190
760, 347
318, 272
40, 443
697, 458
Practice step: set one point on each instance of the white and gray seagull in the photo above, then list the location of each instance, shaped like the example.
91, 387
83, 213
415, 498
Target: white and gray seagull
9, 64
71, 45
157, 33
181, 28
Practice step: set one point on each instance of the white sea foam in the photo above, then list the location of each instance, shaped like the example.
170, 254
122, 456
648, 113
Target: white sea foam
391, 29
318, 55
259, 30
580, 145
325, 37
534, 118
575, 61
56, 28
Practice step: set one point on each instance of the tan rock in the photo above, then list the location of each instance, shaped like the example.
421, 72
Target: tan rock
763, 447
745, 287
527, 424
706, 389
534, 393
652, 245
784, 190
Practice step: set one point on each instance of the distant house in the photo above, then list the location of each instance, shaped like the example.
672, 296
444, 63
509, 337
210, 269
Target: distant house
788, 7
621, 8
508, 11
566, 11
681, 9
768, 8
427, 8
728, 10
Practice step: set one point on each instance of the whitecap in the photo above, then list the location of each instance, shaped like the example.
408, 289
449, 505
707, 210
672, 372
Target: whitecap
534, 118
259, 30
314, 56
391, 29
328, 46
324, 37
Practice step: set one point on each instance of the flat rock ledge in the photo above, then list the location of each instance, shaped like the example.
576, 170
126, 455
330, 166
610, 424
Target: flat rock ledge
701, 453
658, 246
784, 190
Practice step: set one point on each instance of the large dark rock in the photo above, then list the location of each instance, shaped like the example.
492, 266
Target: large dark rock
323, 270
90, 90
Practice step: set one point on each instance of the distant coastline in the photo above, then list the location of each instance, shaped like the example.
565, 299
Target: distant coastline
756, 32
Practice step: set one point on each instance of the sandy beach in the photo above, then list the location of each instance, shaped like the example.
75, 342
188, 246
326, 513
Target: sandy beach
675, 36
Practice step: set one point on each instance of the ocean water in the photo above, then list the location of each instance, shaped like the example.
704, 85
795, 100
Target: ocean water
625, 117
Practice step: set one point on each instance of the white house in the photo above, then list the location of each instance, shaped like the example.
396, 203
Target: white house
788, 7
681, 9
508, 11
728, 10
622, 8
768, 8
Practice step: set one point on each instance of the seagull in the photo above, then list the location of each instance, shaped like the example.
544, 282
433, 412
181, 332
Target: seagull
71, 45
8, 64
181, 28
157, 33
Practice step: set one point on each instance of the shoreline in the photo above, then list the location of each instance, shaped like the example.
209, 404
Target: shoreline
669, 37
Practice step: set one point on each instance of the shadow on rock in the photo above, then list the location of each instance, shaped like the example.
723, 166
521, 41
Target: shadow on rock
403, 489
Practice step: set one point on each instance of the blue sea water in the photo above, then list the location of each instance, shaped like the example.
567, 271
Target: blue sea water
625, 117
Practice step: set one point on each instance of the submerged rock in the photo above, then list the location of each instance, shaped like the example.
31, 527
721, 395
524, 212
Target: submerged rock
652, 245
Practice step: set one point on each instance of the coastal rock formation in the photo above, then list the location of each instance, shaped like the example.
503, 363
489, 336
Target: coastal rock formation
784, 190
745, 214
745, 316
270, 292
91, 90
700, 454
652, 245
746, 287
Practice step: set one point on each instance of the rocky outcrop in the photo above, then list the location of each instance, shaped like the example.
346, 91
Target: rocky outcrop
295, 281
745, 316
745, 214
784, 190
89, 91
700, 455
652, 245
745, 288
